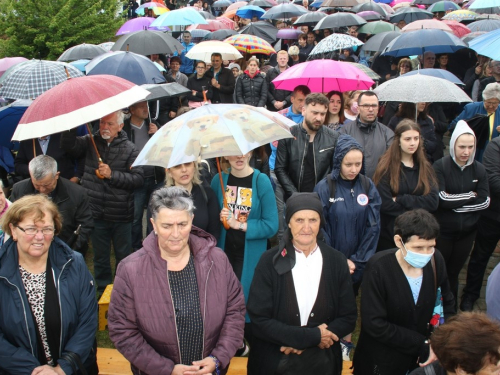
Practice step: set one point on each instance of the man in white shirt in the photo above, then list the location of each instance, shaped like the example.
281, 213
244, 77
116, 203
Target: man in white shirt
301, 299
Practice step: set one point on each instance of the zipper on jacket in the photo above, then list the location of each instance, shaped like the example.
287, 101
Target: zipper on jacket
175, 320
60, 307
205, 309
24, 311
314, 164
302, 164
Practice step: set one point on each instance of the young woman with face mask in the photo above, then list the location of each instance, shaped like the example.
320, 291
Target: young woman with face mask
398, 303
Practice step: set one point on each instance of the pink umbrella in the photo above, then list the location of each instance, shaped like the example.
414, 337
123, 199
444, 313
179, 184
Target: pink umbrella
324, 76
212, 25
396, 2
426, 24
135, 24
458, 28
236, 5
227, 21
7, 62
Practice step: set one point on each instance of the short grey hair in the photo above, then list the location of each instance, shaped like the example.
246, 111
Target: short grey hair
42, 166
173, 198
119, 116
492, 91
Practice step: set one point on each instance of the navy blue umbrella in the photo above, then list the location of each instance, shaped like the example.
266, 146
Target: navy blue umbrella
128, 65
419, 41
9, 119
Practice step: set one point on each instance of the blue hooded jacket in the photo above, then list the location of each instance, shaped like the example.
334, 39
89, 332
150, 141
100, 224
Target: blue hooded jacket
352, 221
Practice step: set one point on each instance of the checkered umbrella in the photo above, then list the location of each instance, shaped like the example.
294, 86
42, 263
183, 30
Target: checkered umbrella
250, 44
35, 77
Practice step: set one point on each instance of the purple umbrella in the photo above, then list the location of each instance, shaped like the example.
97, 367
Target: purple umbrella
136, 24
7, 62
288, 34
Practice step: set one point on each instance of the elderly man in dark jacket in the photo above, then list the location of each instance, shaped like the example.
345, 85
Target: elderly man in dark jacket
71, 200
303, 161
110, 184
301, 299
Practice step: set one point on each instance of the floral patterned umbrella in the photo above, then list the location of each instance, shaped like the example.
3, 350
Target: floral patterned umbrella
335, 42
461, 15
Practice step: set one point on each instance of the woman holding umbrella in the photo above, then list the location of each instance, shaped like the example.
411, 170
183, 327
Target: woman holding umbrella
200, 87
251, 87
252, 217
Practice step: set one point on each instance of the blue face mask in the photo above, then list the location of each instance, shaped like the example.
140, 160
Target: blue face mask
415, 259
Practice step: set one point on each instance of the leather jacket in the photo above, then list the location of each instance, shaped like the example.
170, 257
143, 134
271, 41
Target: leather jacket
289, 168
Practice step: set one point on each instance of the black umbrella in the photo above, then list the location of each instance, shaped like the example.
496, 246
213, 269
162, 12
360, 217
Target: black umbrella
262, 29
74, 236
81, 51
425, 2
369, 7
165, 90
284, 11
309, 19
221, 3
410, 14
148, 42
220, 34
379, 41
480, 125
341, 19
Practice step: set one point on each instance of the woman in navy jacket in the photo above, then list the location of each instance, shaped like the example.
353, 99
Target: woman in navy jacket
48, 306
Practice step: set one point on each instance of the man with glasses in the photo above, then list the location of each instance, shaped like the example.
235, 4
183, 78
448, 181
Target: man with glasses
221, 79
187, 65
71, 199
374, 136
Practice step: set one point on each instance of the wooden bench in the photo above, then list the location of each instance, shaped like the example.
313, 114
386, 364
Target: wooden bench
111, 362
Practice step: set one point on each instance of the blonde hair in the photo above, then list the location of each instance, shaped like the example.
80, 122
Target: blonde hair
282, 52
169, 181
38, 205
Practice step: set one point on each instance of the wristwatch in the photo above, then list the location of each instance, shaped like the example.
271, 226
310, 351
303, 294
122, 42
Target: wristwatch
241, 226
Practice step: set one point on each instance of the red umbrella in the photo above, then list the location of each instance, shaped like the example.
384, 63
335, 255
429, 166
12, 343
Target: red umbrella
459, 29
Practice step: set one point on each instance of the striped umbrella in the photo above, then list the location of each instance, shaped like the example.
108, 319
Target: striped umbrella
250, 44
461, 15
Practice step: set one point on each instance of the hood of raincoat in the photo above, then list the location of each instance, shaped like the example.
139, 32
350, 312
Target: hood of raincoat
345, 144
462, 128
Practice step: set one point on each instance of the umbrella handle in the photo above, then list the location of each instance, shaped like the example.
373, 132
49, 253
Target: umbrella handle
224, 201
97, 173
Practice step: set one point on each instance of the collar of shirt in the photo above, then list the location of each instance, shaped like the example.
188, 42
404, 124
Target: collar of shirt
311, 253
137, 126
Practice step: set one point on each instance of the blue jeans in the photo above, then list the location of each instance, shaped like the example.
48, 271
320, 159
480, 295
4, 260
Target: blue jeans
104, 233
141, 199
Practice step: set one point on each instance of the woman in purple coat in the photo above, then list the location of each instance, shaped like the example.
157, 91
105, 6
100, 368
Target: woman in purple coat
177, 306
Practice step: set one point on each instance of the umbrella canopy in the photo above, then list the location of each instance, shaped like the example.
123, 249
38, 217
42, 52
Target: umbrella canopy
213, 130
377, 27
480, 4
250, 11
262, 3
426, 24
237, 5
135, 24
180, 17
484, 25
443, 6
203, 51
289, 33
488, 17
127, 65
148, 42
197, 35
9, 119
284, 11
380, 41
370, 15
439, 73
340, 19
80, 64
165, 90
107, 45
261, 29
207, 15
226, 21
34, 77
339, 3
370, 73
156, 7
419, 41
8, 62
401, 5
369, 6
461, 15
323, 76
459, 29
335, 42
309, 19
81, 51
420, 88
79, 100
211, 25
388, 9
410, 14
250, 44
471, 36
221, 4
487, 45
220, 34
424, 2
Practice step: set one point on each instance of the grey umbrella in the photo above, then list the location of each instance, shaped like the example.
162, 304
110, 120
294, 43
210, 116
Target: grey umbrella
207, 15
165, 90
284, 11
369, 6
425, 2
148, 42
220, 34
81, 51
484, 25
261, 3
339, 3
262, 29
309, 19
379, 41
410, 14
341, 19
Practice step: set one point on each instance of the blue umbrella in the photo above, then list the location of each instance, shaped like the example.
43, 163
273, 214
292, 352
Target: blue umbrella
128, 65
439, 73
317, 3
250, 11
180, 17
80, 64
487, 44
419, 41
9, 118
480, 4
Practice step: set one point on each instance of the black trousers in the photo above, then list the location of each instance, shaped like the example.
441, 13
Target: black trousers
455, 248
488, 234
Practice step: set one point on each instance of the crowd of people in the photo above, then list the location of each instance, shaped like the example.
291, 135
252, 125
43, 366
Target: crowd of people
349, 206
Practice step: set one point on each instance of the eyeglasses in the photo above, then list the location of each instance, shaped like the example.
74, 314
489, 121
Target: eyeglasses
31, 231
368, 106
492, 104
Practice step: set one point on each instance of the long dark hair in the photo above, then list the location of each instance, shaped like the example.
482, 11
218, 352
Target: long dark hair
341, 111
407, 110
390, 162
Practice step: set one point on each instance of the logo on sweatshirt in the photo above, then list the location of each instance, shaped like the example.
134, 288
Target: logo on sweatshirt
362, 199
334, 200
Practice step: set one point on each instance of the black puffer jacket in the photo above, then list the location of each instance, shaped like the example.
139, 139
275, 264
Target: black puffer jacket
110, 199
275, 94
251, 91
289, 167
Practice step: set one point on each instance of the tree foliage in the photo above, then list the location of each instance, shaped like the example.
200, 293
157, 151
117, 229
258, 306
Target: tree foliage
45, 29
